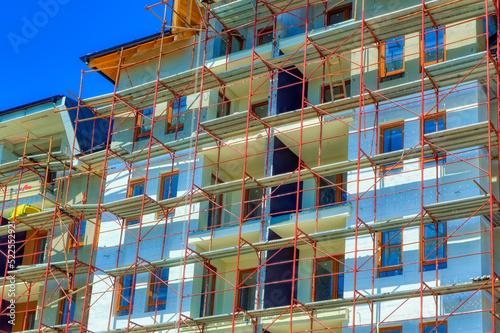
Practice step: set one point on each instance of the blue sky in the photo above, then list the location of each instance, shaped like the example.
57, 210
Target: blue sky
41, 42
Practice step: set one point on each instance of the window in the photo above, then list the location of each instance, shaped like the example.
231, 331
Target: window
168, 189
338, 15
77, 234
390, 253
66, 308
143, 125
431, 327
125, 292
434, 40
34, 247
434, 246
391, 329
434, 123
393, 62
391, 139
328, 283
207, 291
175, 121
261, 109
265, 36
136, 188
230, 42
329, 191
158, 290
253, 203
215, 209
223, 106
338, 92
247, 287
25, 316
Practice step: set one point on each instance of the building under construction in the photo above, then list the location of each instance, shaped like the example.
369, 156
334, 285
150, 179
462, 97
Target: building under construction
264, 166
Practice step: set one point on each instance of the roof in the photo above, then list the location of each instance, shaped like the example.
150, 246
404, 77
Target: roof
53, 99
91, 56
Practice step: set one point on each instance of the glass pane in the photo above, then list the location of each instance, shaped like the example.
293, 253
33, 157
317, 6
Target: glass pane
434, 45
169, 186
431, 125
440, 329
324, 280
137, 189
391, 252
261, 111
147, 115
327, 191
126, 291
178, 110
432, 241
248, 290
393, 139
254, 203
207, 289
266, 38
394, 52
223, 45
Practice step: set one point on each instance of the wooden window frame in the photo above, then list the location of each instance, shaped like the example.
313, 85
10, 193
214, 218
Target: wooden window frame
381, 268
129, 195
240, 281
436, 115
256, 105
151, 301
433, 323
339, 181
170, 129
72, 242
335, 278
390, 328
344, 9
220, 202
61, 305
26, 309
245, 208
382, 129
429, 261
211, 271
437, 47
160, 215
383, 74
128, 307
337, 84
261, 33
31, 247
138, 125
225, 104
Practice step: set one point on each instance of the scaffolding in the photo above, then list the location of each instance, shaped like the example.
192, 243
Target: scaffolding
239, 209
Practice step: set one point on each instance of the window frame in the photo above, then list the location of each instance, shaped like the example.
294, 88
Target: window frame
128, 307
138, 135
335, 276
171, 129
390, 328
383, 128
246, 202
436, 116
337, 84
72, 241
225, 104
262, 32
61, 314
151, 302
433, 323
219, 198
130, 191
170, 174
345, 9
211, 271
256, 105
383, 60
433, 262
339, 187
380, 247
251, 270
436, 31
